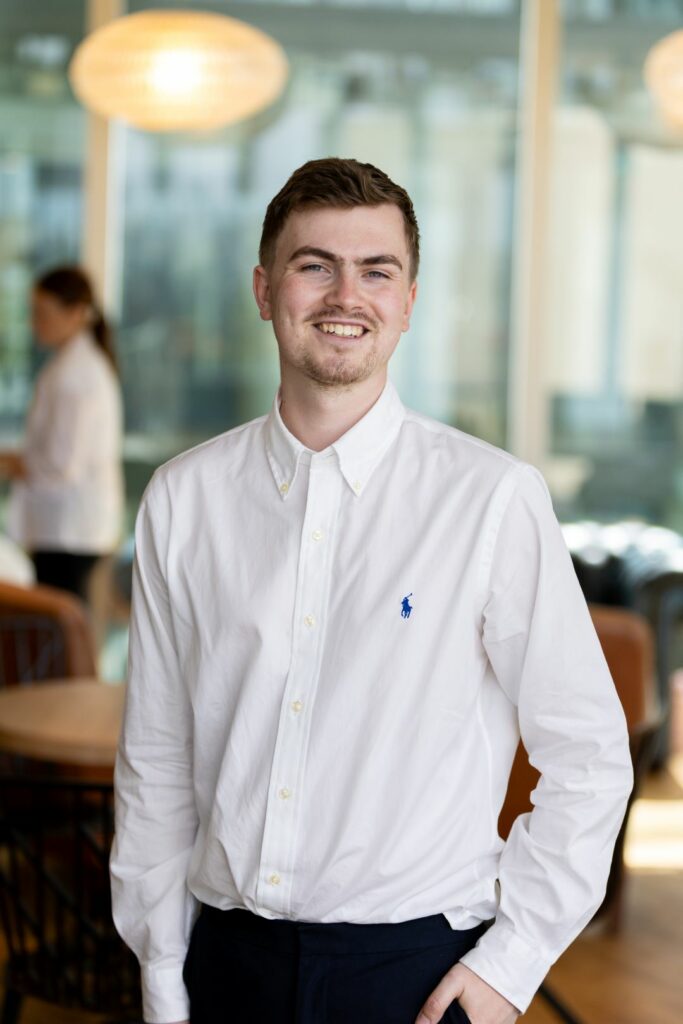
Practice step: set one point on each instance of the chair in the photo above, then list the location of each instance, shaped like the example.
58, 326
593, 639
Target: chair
627, 643
54, 900
44, 634
629, 648
659, 597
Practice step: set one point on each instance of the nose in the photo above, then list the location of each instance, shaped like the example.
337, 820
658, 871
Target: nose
343, 289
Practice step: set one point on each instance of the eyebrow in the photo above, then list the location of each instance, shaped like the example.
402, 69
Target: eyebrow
367, 261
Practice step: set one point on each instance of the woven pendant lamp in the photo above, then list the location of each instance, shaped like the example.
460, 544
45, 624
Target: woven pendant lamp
178, 70
663, 73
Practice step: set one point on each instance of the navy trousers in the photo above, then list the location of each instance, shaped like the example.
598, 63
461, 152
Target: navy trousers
245, 969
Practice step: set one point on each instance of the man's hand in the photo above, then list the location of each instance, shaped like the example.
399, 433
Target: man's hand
481, 1003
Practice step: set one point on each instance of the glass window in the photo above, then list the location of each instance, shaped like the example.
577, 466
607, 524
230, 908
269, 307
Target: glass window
615, 317
41, 165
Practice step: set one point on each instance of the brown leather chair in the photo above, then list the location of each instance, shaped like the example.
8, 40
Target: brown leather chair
44, 634
627, 642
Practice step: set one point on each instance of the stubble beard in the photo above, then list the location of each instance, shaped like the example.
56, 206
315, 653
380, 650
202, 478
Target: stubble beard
337, 370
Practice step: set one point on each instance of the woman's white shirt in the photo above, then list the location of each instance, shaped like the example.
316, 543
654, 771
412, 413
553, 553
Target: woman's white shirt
72, 496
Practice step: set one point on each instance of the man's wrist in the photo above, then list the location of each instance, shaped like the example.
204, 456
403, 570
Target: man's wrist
507, 964
164, 996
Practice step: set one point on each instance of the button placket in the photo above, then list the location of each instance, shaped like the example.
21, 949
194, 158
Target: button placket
285, 790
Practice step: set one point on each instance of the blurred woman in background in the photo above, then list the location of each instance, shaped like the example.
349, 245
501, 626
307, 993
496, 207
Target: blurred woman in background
66, 505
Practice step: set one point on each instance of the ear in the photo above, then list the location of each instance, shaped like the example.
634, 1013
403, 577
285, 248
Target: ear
261, 286
410, 301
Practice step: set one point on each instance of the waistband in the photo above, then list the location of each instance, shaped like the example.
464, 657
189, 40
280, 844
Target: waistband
340, 938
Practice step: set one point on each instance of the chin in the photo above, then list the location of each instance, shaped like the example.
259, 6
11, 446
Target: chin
338, 374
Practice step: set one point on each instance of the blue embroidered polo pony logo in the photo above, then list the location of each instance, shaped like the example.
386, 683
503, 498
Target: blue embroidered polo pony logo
406, 606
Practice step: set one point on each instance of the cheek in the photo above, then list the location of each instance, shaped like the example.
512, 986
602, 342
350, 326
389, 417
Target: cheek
392, 309
285, 313
294, 300
57, 325
44, 327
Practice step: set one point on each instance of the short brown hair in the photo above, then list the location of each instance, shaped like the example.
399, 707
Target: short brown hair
334, 182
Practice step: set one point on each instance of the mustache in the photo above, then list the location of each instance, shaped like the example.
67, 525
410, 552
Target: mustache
333, 314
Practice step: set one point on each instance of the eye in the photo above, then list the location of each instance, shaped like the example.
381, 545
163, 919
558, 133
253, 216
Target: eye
377, 275
312, 267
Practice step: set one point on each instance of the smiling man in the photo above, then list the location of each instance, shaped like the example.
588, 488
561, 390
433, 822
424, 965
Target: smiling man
344, 616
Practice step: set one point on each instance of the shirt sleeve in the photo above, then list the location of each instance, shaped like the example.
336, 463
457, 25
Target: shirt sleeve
156, 816
59, 452
546, 656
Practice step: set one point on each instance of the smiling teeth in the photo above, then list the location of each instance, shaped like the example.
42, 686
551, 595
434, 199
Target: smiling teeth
342, 330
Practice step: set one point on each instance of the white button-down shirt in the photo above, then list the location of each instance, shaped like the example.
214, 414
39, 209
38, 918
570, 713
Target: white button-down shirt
72, 497
332, 655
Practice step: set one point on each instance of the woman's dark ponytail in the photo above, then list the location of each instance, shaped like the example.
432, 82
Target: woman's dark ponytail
102, 334
72, 287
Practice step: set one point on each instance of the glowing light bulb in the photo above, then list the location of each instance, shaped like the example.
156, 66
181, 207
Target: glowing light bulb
176, 73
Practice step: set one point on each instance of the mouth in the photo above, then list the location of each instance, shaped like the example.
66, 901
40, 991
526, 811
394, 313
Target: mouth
341, 329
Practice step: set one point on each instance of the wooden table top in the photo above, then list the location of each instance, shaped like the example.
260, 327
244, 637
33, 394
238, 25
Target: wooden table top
75, 721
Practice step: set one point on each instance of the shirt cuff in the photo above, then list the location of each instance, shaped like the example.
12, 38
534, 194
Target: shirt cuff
508, 964
164, 996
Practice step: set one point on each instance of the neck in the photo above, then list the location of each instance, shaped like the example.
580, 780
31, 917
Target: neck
63, 343
319, 416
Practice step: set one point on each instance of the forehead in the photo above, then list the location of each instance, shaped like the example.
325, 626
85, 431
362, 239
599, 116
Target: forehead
43, 298
358, 231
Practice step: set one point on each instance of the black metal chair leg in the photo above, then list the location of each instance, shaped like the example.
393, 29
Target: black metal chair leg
558, 1006
11, 1007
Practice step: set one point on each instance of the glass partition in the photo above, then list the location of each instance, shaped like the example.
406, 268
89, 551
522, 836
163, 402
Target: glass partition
615, 316
41, 167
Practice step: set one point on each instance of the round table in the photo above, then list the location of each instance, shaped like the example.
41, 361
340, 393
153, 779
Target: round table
68, 721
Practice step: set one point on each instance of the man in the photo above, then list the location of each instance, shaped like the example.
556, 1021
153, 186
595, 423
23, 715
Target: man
344, 614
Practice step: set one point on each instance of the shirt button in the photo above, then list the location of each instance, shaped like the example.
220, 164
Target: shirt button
297, 705
310, 620
284, 488
284, 793
357, 486
274, 879
317, 535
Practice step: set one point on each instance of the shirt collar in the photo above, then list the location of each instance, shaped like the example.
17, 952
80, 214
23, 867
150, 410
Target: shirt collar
358, 451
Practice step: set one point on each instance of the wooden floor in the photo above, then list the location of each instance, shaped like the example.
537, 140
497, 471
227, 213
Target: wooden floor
633, 978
